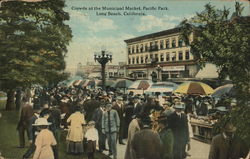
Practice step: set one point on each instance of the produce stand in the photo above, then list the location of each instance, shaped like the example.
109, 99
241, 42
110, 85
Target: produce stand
202, 129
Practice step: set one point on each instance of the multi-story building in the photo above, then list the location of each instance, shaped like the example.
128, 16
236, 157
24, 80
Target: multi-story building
165, 50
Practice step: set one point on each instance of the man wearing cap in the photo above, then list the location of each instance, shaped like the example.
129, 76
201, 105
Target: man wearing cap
119, 107
227, 145
110, 127
178, 122
97, 117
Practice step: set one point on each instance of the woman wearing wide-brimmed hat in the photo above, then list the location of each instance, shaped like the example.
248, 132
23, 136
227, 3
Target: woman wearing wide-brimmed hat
44, 140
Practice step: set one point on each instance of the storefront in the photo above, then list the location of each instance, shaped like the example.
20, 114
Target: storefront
169, 72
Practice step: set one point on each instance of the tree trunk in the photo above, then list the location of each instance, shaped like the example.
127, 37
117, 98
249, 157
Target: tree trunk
10, 104
18, 99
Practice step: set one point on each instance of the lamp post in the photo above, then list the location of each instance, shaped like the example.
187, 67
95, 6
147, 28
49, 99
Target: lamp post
158, 69
103, 59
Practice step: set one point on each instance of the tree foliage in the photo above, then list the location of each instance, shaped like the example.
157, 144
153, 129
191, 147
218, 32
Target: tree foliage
33, 42
224, 40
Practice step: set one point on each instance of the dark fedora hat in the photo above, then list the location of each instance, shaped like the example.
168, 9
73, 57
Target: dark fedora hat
229, 127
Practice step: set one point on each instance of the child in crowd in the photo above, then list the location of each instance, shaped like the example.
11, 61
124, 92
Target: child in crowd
92, 139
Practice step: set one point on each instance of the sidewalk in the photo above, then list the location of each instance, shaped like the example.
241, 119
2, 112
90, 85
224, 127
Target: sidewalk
199, 150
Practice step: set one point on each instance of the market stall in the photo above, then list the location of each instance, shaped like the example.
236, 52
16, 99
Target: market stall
202, 128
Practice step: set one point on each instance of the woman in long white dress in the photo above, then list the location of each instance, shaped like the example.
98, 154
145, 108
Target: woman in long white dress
75, 134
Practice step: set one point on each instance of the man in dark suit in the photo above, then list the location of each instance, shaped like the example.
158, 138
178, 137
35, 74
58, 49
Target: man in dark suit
146, 144
227, 145
137, 106
179, 124
97, 117
32, 131
129, 111
119, 107
23, 124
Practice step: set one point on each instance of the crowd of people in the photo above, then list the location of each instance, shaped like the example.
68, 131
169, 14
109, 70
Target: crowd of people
92, 118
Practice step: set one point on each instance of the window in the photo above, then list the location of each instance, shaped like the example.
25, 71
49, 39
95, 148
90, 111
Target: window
156, 45
142, 59
151, 58
129, 50
173, 43
162, 57
187, 55
137, 48
146, 47
180, 42
141, 48
133, 60
146, 59
180, 55
167, 56
173, 56
137, 60
151, 45
156, 58
161, 44
133, 49
167, 44
129, 61
110, 74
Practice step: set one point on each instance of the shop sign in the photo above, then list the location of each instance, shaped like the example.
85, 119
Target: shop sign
173, 68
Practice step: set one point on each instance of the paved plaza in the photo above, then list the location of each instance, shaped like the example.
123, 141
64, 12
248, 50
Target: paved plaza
199, 150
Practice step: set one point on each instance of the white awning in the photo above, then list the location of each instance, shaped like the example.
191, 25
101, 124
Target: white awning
94, 74
209, 71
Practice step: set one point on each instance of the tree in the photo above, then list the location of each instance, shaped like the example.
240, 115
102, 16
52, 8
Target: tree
33, 43
225, 42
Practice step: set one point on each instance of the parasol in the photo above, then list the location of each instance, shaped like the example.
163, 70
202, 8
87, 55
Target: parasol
227, 89
194, 88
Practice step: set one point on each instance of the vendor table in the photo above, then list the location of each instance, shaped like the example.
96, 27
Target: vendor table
202, 131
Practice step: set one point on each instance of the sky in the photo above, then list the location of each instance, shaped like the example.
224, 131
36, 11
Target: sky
93, 31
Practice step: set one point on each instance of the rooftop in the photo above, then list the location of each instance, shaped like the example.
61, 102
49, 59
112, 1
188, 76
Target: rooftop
161, 33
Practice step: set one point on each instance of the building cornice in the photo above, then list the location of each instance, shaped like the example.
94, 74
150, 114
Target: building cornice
153, 35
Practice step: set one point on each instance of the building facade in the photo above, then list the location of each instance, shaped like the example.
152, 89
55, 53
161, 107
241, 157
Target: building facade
163, 53
93, 70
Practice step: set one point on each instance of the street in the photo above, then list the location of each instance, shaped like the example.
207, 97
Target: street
199, 150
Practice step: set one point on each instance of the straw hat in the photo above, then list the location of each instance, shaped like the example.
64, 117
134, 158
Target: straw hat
41, 122
179, 105
119, 98
91, 123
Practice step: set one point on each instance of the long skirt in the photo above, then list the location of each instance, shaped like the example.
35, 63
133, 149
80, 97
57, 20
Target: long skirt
75, 147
